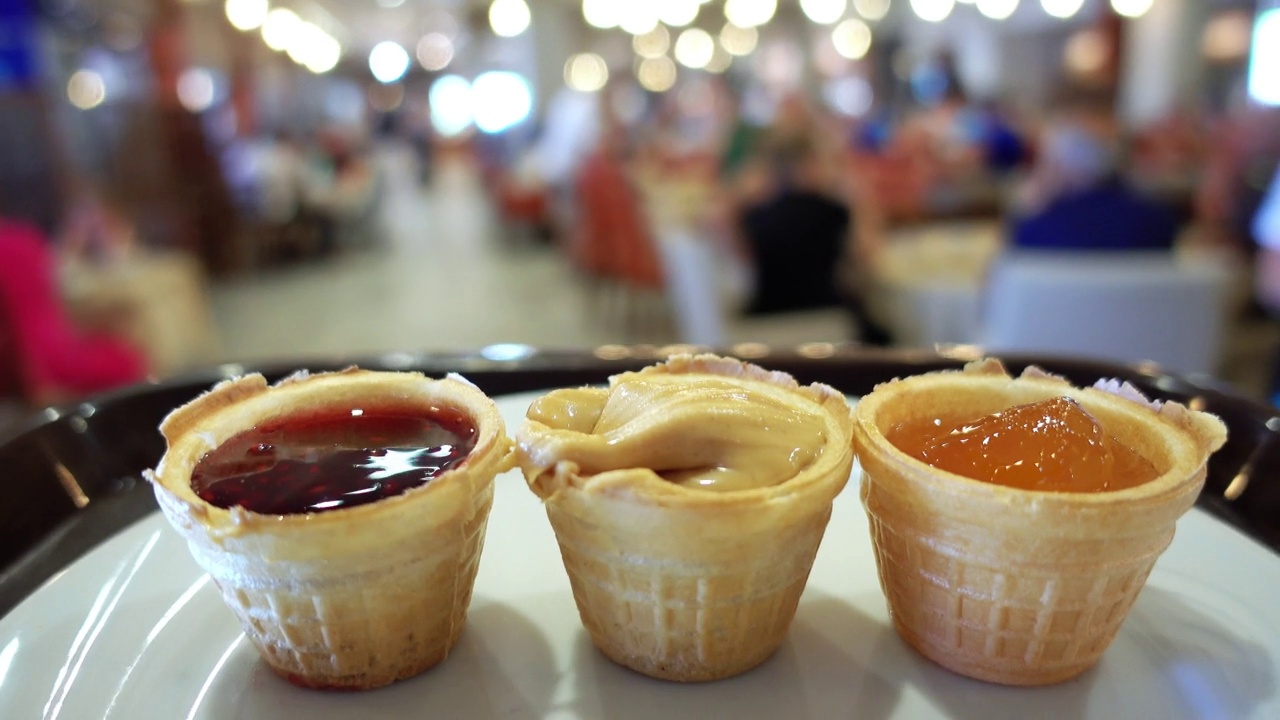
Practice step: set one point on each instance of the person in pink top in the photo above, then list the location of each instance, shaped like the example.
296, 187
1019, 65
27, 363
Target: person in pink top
52, 359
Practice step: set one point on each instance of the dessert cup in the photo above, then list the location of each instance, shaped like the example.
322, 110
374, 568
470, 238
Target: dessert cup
683, 583
355, 597
1014, 586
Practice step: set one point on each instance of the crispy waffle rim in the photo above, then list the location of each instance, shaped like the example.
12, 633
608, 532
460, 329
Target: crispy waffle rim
238, 404
1175, 439
549, 476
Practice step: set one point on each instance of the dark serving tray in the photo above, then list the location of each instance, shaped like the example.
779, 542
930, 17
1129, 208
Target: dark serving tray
71, 477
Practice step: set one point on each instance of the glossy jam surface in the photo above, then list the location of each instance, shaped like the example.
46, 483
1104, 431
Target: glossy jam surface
333, 459
1053, 445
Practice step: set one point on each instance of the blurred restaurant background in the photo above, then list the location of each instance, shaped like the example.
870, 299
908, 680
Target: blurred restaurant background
185, 183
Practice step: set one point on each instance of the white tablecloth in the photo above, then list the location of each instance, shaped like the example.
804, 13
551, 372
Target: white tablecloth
926, 284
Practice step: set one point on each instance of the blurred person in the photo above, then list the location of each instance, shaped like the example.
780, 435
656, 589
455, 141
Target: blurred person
1266, 230
55, 360
97, 229
797, 228
1076, 199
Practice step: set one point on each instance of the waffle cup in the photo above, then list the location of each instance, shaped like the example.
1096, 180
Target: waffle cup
1016, 586
680, 583
353, 598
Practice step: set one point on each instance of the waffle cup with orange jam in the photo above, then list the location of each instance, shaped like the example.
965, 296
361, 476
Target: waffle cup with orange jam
689, 500
355, 597
1009, 584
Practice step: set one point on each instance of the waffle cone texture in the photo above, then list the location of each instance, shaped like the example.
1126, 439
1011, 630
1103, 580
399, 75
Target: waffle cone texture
353, 598
680, 583
1015, 586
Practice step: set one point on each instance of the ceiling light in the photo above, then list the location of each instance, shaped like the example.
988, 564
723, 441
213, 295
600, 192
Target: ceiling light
246, 14
509, 18
694, 48
388, 62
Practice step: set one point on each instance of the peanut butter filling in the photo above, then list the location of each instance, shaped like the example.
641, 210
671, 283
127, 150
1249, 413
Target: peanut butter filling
707, 433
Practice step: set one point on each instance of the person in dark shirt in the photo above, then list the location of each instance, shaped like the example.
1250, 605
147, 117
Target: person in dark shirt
1076, 201
798, 235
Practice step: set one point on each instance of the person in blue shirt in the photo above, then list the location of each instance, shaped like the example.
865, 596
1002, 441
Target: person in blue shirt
1077, 201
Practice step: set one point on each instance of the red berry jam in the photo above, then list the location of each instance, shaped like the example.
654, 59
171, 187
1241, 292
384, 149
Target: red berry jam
333, 459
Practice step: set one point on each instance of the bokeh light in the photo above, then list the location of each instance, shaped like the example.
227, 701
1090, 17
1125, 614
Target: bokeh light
852, 38
86, 90
656, 74
823, 12
278, 28
196, 89
1131, 8
738, 40
677, 13
654, 43
509, 18
637, 17
500, 100
694, 48
749, 13
1062, 9
997, 9
603, 14
850, 95
933, 10
586, 72
873, 10
434, 51
388, 61
246, 14
450, 99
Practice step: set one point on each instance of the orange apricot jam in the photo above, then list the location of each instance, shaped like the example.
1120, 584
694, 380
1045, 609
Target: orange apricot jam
1052, 445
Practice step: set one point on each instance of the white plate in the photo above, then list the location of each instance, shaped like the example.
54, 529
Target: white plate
134, 630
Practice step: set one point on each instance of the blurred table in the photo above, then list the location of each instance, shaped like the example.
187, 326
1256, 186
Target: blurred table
157, 300
926, 283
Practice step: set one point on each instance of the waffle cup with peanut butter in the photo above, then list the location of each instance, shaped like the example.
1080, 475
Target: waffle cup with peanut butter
688, 500
1011, 584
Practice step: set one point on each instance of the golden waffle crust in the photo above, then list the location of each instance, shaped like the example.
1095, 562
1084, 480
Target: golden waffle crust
1015, 586
681, 583
356, 597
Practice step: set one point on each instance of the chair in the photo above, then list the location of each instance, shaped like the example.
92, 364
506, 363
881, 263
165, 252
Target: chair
54, 359
1127, 307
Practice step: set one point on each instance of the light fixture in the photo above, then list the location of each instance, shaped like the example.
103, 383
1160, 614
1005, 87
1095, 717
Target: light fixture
873, 10
1264, 82
509, 18
654, 43
388, 61
500, 100
852, 38
196, 90
586, 72
450, 100
434, 51
737, 40
637, 17
246, 14
749, 13
86, 90
933, 10
677, 13
656, 74
1131, 8
823, 12
694, 48
278, 28
997, 9
603, 14
1061, 9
